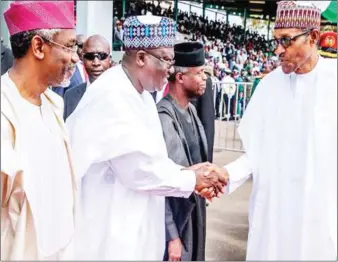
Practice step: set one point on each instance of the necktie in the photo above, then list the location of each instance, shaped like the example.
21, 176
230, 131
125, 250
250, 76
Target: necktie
153, 94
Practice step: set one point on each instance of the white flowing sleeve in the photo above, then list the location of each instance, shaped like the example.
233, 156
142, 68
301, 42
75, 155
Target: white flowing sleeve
114, 131
142, 162
9, 162
10, 167
141, 172
239, 172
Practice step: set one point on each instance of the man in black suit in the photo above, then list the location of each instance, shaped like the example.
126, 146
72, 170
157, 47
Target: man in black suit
206, 113
96, 60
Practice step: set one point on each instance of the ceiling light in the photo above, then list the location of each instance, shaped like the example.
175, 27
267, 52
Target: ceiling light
257, 2
256, 10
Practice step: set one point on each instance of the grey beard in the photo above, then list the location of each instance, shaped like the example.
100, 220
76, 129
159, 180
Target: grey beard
65, 83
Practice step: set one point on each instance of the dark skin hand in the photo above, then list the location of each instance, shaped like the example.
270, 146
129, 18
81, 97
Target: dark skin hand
208, 193
210, 180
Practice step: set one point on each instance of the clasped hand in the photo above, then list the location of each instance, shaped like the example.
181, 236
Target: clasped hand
210, 180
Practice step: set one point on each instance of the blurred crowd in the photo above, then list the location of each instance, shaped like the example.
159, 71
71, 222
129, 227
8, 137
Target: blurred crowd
234, 55
245, 53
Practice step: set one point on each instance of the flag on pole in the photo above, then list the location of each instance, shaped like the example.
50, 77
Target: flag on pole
330, 13
328, 8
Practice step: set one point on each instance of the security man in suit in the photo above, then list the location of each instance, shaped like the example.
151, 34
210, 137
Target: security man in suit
96, 60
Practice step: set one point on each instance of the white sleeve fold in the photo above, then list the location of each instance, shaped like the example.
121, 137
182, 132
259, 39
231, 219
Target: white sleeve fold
162, 177
9, 161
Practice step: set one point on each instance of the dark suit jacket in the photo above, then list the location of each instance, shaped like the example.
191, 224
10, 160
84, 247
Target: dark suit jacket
6, 58
72, 98
206, 113
74, 81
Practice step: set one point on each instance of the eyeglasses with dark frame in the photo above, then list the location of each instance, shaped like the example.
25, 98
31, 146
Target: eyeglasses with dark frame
169, 62
72, 49
286, 41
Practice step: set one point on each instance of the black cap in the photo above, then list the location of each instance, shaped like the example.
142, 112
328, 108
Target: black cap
189, 54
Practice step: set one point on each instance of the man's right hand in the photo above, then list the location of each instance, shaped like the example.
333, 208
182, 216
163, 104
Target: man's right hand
175, 250
209, 176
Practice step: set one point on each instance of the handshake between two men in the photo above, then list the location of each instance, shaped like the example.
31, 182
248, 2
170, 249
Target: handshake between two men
210, 180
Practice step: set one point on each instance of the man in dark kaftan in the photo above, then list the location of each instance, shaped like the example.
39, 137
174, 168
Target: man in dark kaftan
187, 145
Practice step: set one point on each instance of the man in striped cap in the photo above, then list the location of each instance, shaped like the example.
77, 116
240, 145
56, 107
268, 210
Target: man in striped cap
289, 132
37, 183
120, 154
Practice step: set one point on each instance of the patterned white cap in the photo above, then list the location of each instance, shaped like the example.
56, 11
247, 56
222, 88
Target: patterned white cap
148, 32
297, 14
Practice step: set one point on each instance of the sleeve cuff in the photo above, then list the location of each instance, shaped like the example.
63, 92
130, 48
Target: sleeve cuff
187, 183
10, 165
239, 172
171, 232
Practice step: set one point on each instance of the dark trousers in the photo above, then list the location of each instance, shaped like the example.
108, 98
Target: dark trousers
229, 105
217, 103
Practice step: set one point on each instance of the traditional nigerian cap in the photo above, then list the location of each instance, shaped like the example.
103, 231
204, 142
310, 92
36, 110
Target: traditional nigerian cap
148, 32
189, 54
24, 16
297, 14
328, 44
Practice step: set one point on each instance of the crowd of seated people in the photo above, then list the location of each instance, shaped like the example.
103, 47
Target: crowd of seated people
233, 53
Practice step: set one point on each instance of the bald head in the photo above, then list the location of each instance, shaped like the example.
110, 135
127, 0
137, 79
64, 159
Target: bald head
96, 56
95, 42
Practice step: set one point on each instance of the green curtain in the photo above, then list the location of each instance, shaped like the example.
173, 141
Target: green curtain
330, 13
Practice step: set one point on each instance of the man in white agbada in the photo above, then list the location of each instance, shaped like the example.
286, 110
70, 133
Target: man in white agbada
120, 154
37, 184
289, 132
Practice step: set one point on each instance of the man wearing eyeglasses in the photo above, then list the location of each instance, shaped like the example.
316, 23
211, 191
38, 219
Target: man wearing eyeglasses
120, 154
96, 60
79, 76
289, 132
38, 190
